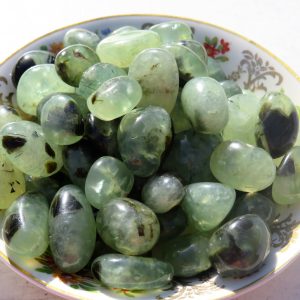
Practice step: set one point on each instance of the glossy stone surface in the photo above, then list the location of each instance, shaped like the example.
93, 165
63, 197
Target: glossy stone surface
242, 166
19, 140
128, 226
81, 36
156, 71
240, 247
187, 254
278, 124
215, 70
120, 49
131, 273
196, 47
25, 225
7, 115
72, 61
62, 120
36, 83
162, 193
72, 229
108, 178
231, 88
124, 29
205, 104
94, 76
286, 186
189, 155
28, 60
143, 136
206, 204
115, 98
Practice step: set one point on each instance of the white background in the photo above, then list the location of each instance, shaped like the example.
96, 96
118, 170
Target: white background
271, 23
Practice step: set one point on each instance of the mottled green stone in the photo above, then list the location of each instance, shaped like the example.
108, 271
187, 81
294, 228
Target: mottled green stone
132, 273
187, 254
206, 204
128, 226
25, 225
196, 47
115, 98
157, 73
7, 115
242, 166
81, 36
108, 178
215, 70
72, 229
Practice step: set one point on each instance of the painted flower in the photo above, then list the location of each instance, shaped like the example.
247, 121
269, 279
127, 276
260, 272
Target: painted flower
216, 48
224, 46
211, 50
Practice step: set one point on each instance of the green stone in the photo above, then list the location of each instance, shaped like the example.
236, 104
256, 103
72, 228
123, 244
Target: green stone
196, 47
124, 29
231, 88
215, 70
81, 36
242, 166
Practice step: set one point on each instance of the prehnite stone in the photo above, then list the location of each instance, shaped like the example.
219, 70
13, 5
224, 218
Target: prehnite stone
231, 88
242, 166
81, 36
205, 104
72, 229
120, 49
36, 83
286, 186
25, 225
61, 120
243, 117
206, 204
72, 61
115, 98
156, 71
25, 146
215, 70
278, 124
187, 254
108, 178
240, 247
123, 29
173, 31
196, 47
94, 76
131, 273
162, 193
143, 136
7, 115
128, 226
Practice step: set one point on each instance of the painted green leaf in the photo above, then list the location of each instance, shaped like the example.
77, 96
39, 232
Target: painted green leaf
222, 58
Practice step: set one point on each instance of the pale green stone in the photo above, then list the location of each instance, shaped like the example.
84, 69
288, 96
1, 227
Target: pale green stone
196, 47
206, 204
124, 29
36, 83
120, 49
115, 98
7, 115
215, 70
81, 36
107, 179
242, 166
157, 73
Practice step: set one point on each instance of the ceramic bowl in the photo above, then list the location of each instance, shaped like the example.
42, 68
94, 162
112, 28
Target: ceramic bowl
254, 68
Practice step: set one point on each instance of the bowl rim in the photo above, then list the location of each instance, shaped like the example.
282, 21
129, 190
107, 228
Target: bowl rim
234, 294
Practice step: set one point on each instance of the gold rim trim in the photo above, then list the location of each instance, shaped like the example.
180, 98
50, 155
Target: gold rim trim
243, 289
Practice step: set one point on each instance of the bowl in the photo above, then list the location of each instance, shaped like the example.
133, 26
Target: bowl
254, 68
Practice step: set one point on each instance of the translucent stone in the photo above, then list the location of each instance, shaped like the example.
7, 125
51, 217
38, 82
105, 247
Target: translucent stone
7, 115
120, 49
173, 31
240, 247
94, 76
81, 36
205, 104
189, 63
196, 47
162, 193
278, 124
12, 182
243, 117
25, 225
157, 73
128, 226
72, 61
28, 60
72, 229
215, 70
36, 83
24, 144
206, 204
231, 88
108, 178
189, 155
286, 186
187, 254
242, 166
124, 29
143, 136
115, 98
131, 273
